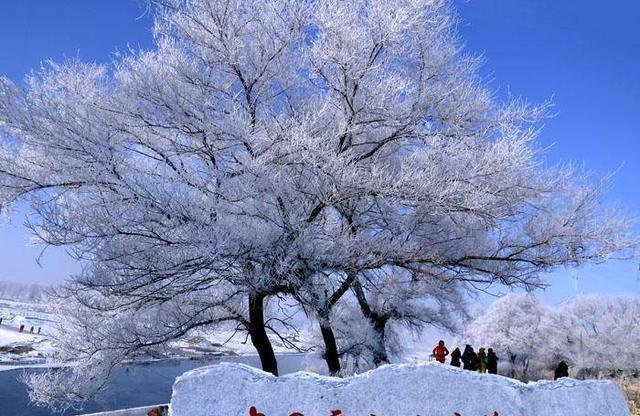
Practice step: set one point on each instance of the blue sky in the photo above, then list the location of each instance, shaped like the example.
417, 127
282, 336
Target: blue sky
586, 55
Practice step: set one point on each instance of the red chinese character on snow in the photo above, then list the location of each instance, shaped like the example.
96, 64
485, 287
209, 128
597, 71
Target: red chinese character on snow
254, 412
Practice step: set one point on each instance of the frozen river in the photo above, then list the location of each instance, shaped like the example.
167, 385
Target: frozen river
131, 386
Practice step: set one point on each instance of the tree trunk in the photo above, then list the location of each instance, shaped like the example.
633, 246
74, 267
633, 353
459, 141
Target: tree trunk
330, 348
380, 353
258, 334
379, 323
512, 360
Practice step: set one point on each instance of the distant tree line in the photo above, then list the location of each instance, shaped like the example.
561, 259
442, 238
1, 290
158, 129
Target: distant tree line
590, 333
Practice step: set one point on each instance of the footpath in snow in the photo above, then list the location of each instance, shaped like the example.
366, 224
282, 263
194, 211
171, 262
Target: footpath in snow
395, 390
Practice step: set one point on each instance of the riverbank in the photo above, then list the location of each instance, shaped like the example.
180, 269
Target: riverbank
32, 350
132, 386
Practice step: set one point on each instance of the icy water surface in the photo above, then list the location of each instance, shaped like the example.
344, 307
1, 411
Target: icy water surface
132, 386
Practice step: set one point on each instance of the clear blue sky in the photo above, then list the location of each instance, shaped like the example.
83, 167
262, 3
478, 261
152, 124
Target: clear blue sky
586, 55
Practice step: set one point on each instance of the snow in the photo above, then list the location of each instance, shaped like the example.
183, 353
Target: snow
393, 390
137, 411
223, 341
21, 349
25, 349
11, 335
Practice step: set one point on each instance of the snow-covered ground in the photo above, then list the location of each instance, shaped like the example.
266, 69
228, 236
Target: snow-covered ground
221, 342
24, 348
402, 390
18, 349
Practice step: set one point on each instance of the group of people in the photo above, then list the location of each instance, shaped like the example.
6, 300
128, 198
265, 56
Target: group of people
485, 361
21, 328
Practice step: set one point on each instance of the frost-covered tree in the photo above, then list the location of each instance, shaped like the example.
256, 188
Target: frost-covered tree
368, 321
319, 295
263, 145
393, 297
525, 334
607, 332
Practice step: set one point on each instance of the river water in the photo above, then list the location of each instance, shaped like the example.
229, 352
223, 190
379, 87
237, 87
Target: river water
131, 386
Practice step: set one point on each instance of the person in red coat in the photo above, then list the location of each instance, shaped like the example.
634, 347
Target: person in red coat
159, 411
440, 352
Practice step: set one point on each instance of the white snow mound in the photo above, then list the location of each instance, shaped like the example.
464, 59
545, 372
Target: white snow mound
231, 389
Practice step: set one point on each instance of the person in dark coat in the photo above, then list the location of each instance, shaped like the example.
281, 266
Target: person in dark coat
492, 362
469, 359
561, 371
455, 357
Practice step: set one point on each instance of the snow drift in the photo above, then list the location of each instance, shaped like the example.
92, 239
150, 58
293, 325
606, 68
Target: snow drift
395, 390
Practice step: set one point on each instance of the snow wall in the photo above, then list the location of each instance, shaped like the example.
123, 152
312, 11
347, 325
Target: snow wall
432, 389
137, 411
